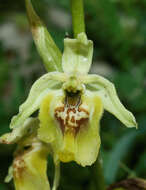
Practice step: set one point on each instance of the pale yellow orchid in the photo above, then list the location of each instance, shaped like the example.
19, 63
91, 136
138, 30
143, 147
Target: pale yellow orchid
29, 167
30, 164
70, 102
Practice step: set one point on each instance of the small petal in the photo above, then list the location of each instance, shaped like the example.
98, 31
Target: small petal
38, 91
47, 48
107, 92
77, 56
57, 175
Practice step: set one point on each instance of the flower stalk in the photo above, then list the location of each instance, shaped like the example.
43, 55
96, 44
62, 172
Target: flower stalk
77, 9
57, 176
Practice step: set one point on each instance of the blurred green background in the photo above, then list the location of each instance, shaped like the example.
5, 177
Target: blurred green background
118, 30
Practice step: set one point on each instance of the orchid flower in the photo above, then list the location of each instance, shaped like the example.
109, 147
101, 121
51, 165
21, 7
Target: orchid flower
29, 167
70, 101
30, 161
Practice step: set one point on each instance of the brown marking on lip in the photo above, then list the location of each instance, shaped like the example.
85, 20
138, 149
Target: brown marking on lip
59, 119
83, 109
72, 119
71, 110
18, 167
60, 109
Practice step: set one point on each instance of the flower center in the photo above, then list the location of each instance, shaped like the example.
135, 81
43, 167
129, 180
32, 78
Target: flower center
72, 115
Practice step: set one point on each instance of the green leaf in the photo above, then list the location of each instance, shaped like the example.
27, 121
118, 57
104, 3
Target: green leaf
141, 165
3, 187
47, 48
117, 154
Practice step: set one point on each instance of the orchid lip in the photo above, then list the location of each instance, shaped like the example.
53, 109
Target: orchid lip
71, 116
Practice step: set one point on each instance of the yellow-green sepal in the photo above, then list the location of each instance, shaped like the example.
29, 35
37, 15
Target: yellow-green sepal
46, 46
39, 90
111, 102
77, 56
19, 132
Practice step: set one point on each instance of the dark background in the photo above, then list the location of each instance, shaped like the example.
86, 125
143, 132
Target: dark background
118, 30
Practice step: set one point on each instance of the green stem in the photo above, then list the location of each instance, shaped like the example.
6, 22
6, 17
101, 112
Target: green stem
57, 176
98, 177
77, 10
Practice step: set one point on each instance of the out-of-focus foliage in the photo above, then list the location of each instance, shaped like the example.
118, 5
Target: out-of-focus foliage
118, 29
